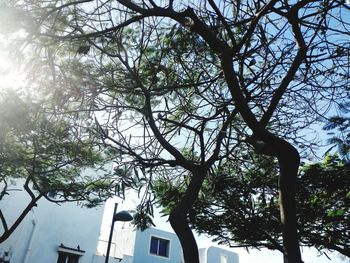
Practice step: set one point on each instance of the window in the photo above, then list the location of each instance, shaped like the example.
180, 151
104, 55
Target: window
69, 255
159, 247
223, 259
67, 258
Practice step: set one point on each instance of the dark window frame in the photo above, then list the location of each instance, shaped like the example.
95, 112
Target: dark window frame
68, 254
159, 247
64, 257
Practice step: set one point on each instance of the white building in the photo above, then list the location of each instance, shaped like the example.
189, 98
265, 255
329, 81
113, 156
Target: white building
68, 233
217, 255
158, 246
64, 233
149, 246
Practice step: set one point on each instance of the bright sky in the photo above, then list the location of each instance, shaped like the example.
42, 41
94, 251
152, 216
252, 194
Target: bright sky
10, 77
9, 72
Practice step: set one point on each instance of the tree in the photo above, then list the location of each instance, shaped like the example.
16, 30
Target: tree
238, 206
105, 88
49, 154
325, 189
211, 72
340, 139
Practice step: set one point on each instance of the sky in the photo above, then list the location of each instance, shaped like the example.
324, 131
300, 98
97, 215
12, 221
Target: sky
10, 74
251, 256
12, 78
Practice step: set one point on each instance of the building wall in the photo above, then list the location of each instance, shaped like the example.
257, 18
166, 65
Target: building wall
124, 243
217, 255
202, 255
47, 226
141, 246
133, 246
143, 239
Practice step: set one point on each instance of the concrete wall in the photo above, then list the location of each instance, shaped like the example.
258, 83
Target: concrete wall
101, 259
140, 243
133, 247
217, 255
124, 241
143, 240
202, 255
47, 226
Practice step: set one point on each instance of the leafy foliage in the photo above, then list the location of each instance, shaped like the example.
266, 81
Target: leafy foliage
55, 159
174, 88
340, 138
47, 151
324, 204
239, 207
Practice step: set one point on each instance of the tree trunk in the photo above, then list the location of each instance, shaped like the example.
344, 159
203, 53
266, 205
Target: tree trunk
179, 222
289, 160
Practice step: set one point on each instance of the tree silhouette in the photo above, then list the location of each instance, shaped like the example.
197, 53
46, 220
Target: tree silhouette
174, 87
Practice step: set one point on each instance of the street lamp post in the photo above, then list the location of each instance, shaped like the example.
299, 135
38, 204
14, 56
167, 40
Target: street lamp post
121, 216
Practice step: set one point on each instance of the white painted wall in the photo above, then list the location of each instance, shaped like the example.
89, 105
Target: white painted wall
136, 245
38, 237
124, 240
143, 240
202, 255
214, 255
47, 226
133, 246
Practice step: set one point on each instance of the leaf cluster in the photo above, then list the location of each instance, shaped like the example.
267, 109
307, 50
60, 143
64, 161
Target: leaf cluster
239, 206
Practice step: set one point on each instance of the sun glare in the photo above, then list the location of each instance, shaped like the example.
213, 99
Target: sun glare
11, 76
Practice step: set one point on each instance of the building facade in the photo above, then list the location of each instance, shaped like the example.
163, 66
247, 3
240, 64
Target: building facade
217, 255
65, 233
69, 233
149, 246
158, 246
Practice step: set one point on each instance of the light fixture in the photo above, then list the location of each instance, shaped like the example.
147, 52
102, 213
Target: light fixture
122, 216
